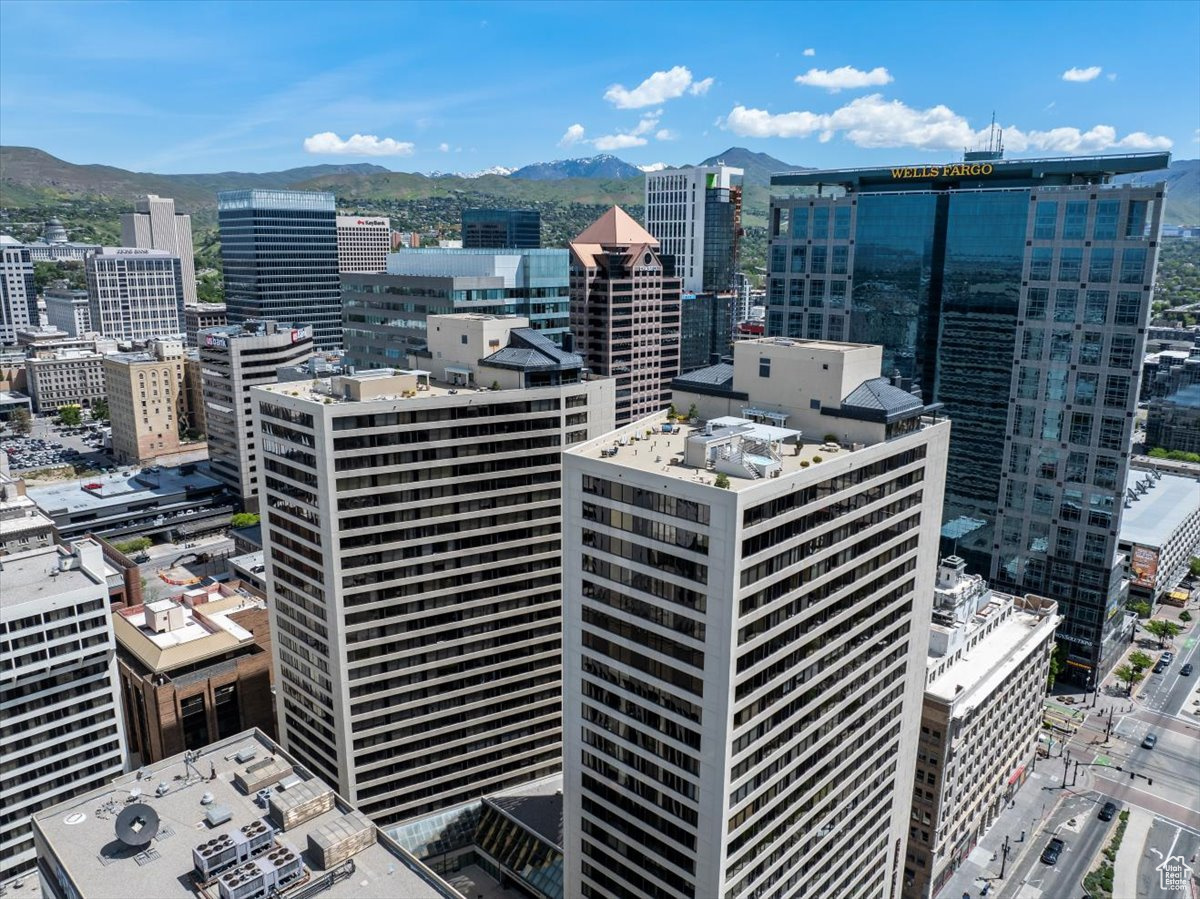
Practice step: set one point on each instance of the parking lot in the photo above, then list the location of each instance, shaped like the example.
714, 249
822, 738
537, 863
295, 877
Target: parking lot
50, 445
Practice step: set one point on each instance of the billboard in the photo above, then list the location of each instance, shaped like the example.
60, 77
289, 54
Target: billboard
1143, 563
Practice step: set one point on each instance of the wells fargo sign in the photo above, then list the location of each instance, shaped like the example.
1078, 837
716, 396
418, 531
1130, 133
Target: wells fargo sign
959, 170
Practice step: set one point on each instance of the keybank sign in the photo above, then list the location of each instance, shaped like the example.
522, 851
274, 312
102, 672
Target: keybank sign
962, 170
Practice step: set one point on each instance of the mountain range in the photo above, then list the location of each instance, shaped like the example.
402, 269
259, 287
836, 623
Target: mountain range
33, 178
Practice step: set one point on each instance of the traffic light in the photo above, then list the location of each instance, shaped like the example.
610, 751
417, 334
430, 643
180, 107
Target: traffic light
1150, 781
1131, 775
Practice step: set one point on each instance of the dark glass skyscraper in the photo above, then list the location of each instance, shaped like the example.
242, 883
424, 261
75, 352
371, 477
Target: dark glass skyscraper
279, 251
501, 229
1016, 293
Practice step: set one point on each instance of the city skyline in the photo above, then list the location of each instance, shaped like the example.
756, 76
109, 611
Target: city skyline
807, 90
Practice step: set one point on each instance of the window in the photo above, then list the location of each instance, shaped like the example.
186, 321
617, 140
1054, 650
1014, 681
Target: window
1081, 431
1116, 391
778, 258
1035, 304
1075, 220
1120, 354
820, 223
1086, 383
1133, 265
1044, 220
798, 259
1135, 219
1064, 304
1070, 264
819, 260
1105, 227
1129, 308
799, 224
841, 223
1095, 307
1111, 432
764, 367
841, 255
1039, 263
1031, 346
1101, 265
1090, 347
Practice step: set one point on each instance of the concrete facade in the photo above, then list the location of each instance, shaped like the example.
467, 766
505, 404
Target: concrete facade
232, 360
66, 377
743, 664
18, 299
60, 719
986, 680
67, 309
156, 225
200, 316
135, 294
678, 207
364, 242
411, 536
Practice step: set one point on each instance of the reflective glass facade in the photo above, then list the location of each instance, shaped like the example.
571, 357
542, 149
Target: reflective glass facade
1021, 308
280, 258
497, 229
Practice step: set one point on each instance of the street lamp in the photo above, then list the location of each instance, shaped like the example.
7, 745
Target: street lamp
1066, 766
1004, 858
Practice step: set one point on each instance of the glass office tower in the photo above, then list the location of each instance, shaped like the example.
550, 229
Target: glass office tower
280, 255
501, 229
1016, 293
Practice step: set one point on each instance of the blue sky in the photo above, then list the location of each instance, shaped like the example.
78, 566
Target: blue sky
199, 87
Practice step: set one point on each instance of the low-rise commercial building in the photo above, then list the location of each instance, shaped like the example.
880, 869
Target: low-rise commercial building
237, 818
986, 679
60, 725
23, 526
155, 501
194, 669
1160, 531
146, 400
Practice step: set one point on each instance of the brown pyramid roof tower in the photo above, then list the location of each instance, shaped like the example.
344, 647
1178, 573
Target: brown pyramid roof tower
616, 228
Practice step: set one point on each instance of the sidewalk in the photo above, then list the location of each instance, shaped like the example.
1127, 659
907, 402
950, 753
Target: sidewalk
1129, 855
1034, 804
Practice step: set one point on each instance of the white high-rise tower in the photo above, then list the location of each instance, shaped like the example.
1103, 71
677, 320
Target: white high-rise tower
157, 226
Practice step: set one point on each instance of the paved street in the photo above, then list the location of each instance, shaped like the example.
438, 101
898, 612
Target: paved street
1165, 840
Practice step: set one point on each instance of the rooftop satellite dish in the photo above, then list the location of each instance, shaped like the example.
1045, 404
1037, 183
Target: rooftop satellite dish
137, 824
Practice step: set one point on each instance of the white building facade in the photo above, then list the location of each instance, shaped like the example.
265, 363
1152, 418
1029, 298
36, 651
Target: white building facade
135, 294
18, 300
59, 713
363, 243
157, 226
675, 215
743, 662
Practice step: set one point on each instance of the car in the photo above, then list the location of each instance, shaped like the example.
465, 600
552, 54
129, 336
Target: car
1186, 670
1160, 666
1149, 741
1110, 809
1052, 851
141, 557
1167, 656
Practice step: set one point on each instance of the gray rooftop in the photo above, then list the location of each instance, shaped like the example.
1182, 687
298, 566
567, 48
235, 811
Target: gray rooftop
720, 375
1156, 514
81, 834
34, 575
880, 396
528, 349
119, 487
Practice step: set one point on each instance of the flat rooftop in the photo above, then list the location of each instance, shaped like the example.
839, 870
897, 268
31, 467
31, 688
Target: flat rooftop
34, 575
642, 446
207, 630
1158, 513
430, 388
82, 835
973, 678
117, 488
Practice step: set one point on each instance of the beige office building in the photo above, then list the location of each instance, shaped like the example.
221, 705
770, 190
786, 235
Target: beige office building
986, 676
157, 226
625, 308
363, 243
65, 377
146, 400
411, 526
745, 633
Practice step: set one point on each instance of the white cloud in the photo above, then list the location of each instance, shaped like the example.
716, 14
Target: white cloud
653, 167
445, 148
810, 52
618, 141
665, 134
872, 121
658, 88
329, 144
647, 122
1088, 74
1111, 76
846, 77
573, 135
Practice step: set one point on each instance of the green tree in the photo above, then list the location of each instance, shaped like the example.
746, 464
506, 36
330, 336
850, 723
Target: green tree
1140, 660
21, 421
70, 415
1185, 615
1194, 566
1164, 630
693, 412
1142, 609
722, 481
1129, 675
1058, 660
137, 544
244, 520
100, 410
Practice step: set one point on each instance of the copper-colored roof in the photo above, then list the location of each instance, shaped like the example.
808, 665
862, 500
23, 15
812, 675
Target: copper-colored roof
615, 228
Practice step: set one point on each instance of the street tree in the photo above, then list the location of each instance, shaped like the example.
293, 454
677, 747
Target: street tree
1164, 630
70, 415
1130, 676
100, 410
22, 421
1140, 660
